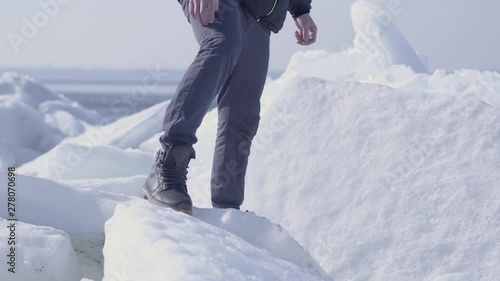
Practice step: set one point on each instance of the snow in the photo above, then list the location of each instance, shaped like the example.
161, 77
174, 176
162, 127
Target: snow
76, 213
88, 249
46, 254
389, 185
379, 39
128, 132
118, 185
36, 134
91, 155
186, 248
11, 153
261, 233
352, 66
46, 118
365, 167
82, 213
71, 161
452, 277
46, 202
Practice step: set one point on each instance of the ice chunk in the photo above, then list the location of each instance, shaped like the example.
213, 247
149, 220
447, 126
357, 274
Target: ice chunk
71, 161
380, 39
41, 254
145, 242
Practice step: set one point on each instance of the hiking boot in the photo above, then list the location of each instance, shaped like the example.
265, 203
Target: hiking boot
166, 184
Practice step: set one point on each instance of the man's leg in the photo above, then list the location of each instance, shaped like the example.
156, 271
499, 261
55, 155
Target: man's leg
239, 110
220, 46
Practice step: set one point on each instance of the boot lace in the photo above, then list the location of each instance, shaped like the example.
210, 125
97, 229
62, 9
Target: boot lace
169, 177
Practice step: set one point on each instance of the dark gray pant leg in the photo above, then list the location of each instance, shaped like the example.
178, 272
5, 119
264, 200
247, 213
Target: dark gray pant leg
239, 115
220, 46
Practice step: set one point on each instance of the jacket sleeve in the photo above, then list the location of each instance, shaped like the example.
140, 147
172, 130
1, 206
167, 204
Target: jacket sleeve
299, 7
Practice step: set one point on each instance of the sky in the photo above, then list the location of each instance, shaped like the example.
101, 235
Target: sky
117, 34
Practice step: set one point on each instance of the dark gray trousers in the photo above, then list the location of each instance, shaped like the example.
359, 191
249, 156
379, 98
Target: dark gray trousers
232, 65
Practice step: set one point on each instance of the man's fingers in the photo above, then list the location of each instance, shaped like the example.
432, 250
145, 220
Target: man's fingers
211, 14
192, 7
211, 18
197, 12
207, 12
203, 10
214, 10
314, 34
305, 33
299, 37
204, 14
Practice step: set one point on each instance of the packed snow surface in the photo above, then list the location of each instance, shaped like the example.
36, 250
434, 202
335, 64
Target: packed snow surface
45, 254
382, 185
141, 237
82, 213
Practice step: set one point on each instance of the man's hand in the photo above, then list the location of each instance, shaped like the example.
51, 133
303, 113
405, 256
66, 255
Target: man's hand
204, 10
307, 30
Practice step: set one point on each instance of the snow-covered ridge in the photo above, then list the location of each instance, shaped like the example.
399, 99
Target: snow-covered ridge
140, 246
381, 184
33, 119
46, 254
233, 245
380, 40
352, 66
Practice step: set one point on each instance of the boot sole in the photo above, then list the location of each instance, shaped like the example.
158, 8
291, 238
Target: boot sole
145, 195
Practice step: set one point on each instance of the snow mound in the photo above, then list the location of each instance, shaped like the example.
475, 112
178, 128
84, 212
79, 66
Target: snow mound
42, 253
136, 239
127, 132
45, 202
103, 152
269, 236
152, 144
34, 119
381, 55
25, 128
71, 161
10, 154
350, 67
120, 185
81, 213
380, 184
26, 89
380, 40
